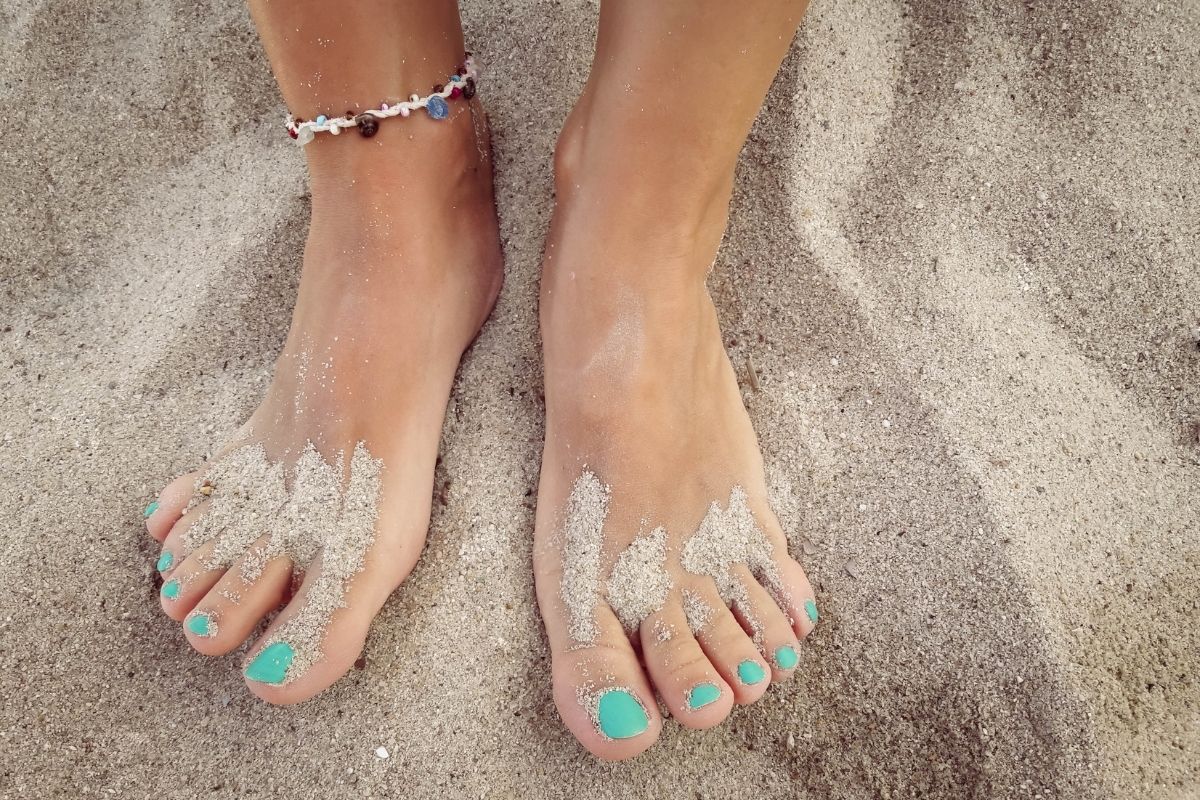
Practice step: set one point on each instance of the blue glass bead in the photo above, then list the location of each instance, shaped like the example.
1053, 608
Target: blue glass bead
321, 120
437, 108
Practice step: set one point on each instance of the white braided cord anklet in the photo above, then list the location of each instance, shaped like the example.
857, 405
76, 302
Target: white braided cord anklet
460, 84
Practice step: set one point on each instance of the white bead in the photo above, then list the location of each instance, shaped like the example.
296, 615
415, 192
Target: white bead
404, 112
304, 135
335, 129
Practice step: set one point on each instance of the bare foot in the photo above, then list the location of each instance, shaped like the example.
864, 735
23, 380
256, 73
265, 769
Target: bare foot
660, 566
401, 268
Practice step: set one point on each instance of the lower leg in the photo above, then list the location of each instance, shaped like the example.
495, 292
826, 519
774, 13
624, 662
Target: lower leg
653, 523
400, 268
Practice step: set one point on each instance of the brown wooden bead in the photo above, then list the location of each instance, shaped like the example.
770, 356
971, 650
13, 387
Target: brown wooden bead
437, 88
469, 89
367, 124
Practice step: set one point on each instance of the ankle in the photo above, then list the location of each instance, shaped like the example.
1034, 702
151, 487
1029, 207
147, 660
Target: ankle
416, 157
682, 181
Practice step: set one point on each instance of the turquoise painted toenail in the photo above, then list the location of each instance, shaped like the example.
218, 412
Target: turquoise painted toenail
165, 561
620, 715
150, 509
786, 657
810, 608
200, 624
750, 672
170, 589
702, 694
271, 665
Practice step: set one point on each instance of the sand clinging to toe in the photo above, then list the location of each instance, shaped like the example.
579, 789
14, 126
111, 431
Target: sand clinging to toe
257, 511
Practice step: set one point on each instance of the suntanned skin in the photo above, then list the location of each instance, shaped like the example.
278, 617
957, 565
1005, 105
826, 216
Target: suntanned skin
403, 265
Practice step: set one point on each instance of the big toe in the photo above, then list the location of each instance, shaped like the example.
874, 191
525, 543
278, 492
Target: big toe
602, 694
317, 637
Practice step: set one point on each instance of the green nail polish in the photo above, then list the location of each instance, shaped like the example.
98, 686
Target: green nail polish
165, 561
786, 657
750, 672
810, 608
200, 624
271, 665
150, 509
170, 589
620, 715
702, 694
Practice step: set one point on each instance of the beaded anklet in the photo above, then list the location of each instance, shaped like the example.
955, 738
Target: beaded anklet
460, 84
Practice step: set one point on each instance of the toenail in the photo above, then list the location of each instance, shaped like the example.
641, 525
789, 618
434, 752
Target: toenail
165, 561
750, 672
810, 608
271, 665
201, 624
170, 589
786, 657
703, 694
620, 715
150, 509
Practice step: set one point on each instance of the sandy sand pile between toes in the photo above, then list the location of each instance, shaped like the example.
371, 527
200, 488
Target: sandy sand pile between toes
959, 285
255, 510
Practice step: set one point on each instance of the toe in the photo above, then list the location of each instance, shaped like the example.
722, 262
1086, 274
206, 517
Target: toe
726, 643
603, 695
683, 675
317, 637
797, 598
234, 607
164, 511
173, 551
768, 626
188, 581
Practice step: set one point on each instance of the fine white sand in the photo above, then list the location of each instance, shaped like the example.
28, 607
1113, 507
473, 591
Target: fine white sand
963, 264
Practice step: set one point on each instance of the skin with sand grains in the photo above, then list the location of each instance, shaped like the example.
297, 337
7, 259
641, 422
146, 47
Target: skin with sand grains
640, 582
252, 511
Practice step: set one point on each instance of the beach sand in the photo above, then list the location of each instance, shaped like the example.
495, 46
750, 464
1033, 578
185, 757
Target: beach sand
963, 263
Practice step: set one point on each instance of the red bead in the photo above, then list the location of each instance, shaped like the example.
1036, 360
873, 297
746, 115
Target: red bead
292, 133
455, 91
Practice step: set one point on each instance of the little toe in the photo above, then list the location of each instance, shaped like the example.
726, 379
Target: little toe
166, 510
683, 675
174, 551
727, 645
233, 608
602, 694
189, 581
769, 627
797, 597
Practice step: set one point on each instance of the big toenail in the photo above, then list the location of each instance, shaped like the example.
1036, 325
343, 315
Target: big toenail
810, 608
201, 624
702, 694
786, 657
750, 672
170, 589
271, 665
620, 715
165, 561
150, 509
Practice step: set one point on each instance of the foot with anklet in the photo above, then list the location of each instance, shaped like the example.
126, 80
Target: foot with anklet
317, 510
